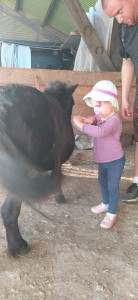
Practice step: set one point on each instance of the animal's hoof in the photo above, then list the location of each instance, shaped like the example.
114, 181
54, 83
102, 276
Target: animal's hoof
60, 199
18, 249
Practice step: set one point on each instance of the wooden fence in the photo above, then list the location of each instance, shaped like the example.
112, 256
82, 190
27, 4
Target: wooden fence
85, 80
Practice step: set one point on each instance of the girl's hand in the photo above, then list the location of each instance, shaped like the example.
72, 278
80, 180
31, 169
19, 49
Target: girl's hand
89, 120
78, 121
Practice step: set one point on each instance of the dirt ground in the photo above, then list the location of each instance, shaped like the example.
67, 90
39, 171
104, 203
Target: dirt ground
71, 257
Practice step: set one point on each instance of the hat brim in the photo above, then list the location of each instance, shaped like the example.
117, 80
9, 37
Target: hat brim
87, 99
95, 96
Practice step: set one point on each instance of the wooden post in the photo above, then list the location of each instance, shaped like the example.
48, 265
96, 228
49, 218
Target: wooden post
89, 35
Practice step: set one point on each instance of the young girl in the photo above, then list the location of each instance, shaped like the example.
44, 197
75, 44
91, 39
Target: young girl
106, 129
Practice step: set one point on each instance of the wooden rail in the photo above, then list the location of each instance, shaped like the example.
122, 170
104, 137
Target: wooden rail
85, 80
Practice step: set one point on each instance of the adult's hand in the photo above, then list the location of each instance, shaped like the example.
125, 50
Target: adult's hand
126, 111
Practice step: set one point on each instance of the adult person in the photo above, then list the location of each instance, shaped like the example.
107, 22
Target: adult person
126, 13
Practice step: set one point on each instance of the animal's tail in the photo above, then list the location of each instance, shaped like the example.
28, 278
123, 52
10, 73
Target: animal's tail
23, 179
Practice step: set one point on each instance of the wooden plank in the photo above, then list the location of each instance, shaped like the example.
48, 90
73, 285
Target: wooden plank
27, 76
47, 14
89, 35
39, 78
82, 78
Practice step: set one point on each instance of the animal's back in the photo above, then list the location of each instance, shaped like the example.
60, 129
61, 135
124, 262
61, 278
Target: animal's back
27, 120
32, 137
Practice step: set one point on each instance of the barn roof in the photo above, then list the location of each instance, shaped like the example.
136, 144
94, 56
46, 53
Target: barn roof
40, 23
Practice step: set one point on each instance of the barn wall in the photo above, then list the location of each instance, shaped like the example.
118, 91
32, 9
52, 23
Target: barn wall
51, 59
85, 80
44, 59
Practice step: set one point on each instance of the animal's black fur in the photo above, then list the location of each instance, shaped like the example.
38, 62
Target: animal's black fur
36, 136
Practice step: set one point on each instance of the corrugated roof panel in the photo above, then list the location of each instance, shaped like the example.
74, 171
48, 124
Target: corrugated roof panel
9, 3
87, 4
60, 18
59, 24
35, 9
19, 28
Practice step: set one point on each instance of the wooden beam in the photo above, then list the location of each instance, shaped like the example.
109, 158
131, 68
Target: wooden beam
17, 5
114, 48
47, 14
89, 35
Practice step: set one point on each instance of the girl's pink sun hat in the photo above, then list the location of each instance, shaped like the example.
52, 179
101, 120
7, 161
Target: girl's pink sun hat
103, 90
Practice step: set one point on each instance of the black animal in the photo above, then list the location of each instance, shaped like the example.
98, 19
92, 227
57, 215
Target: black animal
36, 136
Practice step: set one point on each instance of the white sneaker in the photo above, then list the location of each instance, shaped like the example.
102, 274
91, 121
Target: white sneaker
108, 221
99, 208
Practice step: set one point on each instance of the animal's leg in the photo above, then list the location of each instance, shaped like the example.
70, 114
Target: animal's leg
59, 197
10, 211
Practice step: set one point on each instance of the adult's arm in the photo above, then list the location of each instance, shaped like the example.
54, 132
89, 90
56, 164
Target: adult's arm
127, 74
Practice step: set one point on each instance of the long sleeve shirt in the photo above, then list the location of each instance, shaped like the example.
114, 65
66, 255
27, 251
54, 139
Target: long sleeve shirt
107, 145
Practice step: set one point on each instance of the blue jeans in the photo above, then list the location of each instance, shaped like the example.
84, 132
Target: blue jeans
109, 177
